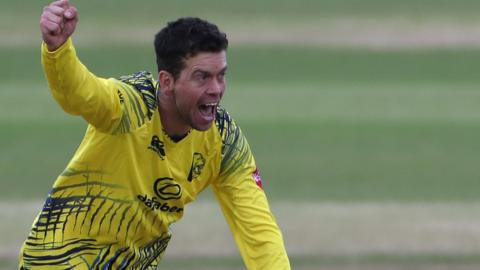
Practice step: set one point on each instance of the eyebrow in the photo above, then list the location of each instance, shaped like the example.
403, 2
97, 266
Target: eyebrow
202, 71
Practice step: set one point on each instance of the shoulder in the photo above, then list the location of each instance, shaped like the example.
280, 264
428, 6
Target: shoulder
224, 122
235, 148
228, 129
142, 81
144, 84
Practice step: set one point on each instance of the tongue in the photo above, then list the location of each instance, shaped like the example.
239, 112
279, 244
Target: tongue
206, 110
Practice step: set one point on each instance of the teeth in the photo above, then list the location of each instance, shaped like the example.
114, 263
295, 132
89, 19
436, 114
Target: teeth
211, 104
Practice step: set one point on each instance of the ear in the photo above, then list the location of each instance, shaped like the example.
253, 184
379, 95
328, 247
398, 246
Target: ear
167, 82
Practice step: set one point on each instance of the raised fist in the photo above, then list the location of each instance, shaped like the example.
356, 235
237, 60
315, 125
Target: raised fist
57, 23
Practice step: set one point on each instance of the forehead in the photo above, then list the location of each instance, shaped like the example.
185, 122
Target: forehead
207, 61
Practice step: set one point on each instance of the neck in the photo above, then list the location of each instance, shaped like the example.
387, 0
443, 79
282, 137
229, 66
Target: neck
173, 124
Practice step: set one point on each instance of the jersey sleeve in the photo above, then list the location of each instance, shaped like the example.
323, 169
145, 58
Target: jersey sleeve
244, 203
110, 105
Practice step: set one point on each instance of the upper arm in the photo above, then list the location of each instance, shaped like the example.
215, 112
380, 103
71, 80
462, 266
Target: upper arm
110, 105
244, 202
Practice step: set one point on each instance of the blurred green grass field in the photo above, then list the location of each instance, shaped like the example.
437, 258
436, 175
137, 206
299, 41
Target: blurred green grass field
349, 125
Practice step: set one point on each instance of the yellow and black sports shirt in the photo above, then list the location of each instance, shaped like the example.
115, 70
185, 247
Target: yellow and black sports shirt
112, 206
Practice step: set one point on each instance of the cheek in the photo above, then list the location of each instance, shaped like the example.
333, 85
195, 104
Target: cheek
187, 96
223, 87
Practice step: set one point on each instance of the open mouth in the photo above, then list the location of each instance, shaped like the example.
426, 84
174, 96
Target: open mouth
208, 109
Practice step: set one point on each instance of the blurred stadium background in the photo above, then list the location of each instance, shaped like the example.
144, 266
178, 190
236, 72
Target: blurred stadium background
363, 115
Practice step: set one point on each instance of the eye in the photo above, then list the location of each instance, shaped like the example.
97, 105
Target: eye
222, 75
201, 76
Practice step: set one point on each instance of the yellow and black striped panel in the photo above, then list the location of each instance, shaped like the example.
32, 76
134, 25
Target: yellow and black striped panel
235, 149
88, 225
137, 95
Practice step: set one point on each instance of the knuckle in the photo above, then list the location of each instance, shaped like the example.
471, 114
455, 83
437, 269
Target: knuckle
55, 19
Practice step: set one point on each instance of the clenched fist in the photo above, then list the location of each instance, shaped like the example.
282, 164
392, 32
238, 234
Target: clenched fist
57, 23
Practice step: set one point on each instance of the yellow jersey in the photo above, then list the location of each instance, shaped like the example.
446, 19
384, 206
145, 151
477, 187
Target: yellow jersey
128, 181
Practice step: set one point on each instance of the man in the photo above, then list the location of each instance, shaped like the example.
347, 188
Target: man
151, 146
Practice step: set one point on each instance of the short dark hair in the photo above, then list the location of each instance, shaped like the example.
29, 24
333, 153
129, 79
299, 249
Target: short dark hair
184, 38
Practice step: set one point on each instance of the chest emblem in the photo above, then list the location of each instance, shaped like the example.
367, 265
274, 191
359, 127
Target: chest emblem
166, 189
157, 146
198, 162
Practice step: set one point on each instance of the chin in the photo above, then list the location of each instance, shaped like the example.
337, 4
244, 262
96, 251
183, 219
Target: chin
203, 127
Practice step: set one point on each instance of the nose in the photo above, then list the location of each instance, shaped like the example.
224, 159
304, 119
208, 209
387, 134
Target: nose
216, 87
